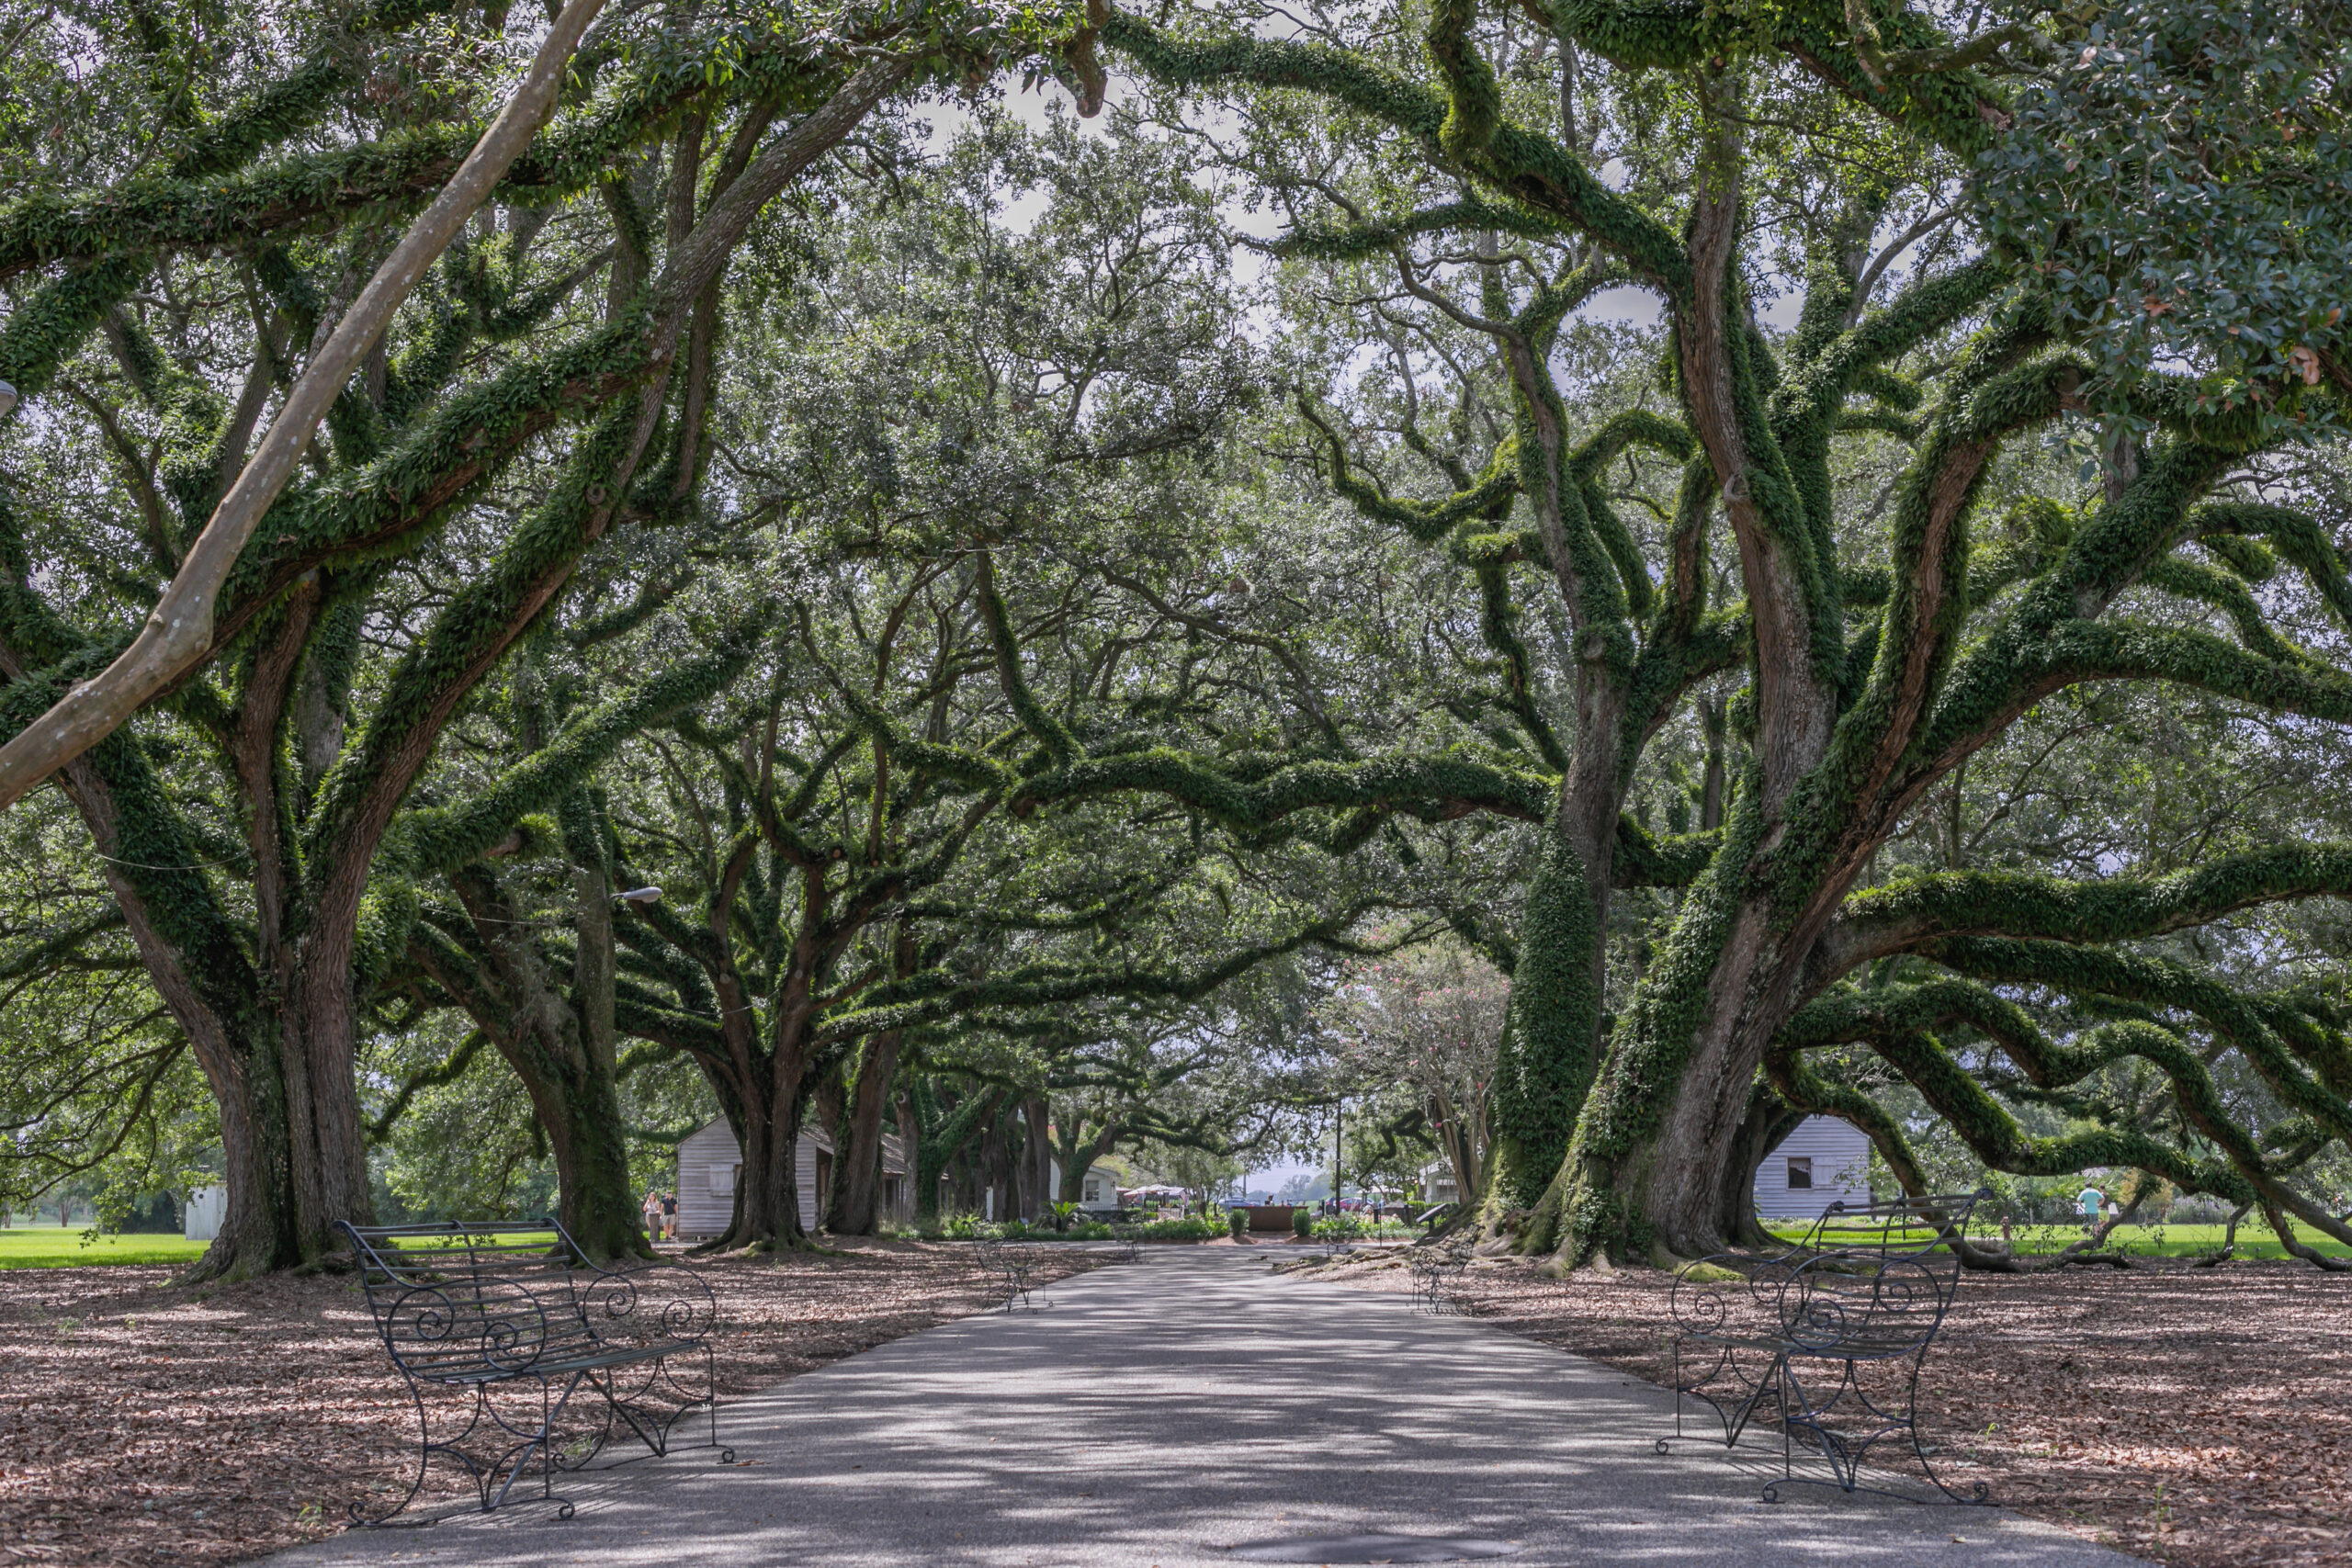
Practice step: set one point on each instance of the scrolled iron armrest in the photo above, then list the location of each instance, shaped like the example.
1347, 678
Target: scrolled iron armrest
427, 1317
1715, 1306
662, 1299
1881, 1305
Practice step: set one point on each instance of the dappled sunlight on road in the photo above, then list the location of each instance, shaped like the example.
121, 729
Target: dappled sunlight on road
1166, 1412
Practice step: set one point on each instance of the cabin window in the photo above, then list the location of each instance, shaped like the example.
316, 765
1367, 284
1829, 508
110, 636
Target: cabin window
722, 1179
1093, 1191
1800, 1171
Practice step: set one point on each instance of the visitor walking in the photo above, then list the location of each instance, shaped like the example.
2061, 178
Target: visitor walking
669, 1216
651, 1210
2091, 1202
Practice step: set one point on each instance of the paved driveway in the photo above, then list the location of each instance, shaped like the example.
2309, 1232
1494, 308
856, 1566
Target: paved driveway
1165, 1411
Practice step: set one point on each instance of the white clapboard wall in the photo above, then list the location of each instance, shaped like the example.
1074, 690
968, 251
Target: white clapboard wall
710, 1162
1823, 1161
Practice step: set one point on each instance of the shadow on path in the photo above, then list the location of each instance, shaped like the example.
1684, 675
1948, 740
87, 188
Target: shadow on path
1166, 1412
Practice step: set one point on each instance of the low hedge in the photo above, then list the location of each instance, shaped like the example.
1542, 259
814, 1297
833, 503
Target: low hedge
1192, 1229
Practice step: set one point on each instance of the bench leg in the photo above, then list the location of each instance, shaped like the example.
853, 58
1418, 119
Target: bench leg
1978, 1491
1846, 1456
359, 1516
651, 1423
1674, 1376
550, 1408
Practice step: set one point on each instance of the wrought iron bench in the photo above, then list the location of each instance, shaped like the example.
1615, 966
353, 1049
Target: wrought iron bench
1827, 1341
1014, 1267
1437, 1280
494, 1309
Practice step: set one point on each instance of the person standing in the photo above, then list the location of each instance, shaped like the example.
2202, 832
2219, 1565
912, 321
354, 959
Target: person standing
651, 1208
2091, 1202
669, 1216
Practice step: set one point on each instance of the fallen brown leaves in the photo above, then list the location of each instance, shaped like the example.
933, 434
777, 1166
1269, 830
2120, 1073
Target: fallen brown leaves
2199, 1416
144, 1422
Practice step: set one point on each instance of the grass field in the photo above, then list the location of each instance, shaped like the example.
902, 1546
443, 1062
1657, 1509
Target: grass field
56, 1246
2254, 1240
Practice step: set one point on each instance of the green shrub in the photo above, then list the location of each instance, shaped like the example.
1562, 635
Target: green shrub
964, 1227
1237, 1221
1192, 1228
1302, 1222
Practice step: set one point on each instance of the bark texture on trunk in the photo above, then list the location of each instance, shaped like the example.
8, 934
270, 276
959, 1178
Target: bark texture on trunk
1646, 1175
204, 979
560, 1041
1036, 1157
856, 1206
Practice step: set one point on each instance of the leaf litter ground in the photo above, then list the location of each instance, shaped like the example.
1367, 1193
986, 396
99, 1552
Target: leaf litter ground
146, 1422
2196, 1416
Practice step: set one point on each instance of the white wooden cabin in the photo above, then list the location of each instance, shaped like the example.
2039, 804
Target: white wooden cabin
1098, 1190
711, 1161
1437, 1182
1823, 1162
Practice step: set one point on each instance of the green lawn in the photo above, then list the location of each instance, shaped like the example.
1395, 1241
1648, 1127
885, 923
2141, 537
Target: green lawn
2254, 1240
56, 1246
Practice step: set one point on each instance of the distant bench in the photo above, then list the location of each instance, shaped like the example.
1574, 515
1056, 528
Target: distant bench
474, 1305
1016, 1269
1437, 1280
1827, 1341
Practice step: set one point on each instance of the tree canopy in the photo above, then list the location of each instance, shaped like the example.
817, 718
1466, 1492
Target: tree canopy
1056, 583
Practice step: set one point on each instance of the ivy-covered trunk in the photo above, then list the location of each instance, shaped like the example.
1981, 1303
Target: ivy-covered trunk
1650, 1167
1544, 1064
559, 1039
1552, 1032
947, 1134
1078, 1149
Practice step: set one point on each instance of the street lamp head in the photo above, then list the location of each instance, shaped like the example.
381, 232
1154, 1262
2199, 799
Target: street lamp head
638, 896
7, 397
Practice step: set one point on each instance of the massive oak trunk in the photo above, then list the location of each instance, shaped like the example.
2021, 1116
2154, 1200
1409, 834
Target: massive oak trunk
1646, 1174
192, 960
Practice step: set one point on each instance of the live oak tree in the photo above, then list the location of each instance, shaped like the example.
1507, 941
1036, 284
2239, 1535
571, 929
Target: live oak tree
1862, 696
511, 420
1905, 681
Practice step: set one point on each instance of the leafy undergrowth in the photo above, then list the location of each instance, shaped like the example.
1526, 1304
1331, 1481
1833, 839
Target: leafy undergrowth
2198, 1417
143, 1423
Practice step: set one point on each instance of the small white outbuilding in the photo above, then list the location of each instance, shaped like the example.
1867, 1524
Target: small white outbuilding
1823, 1162
1098, 1189
207, 1206
710, 1162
